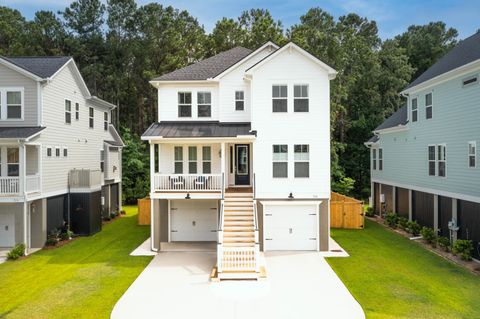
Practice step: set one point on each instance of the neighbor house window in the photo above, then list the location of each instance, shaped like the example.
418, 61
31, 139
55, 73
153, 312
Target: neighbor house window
184, 104
414, 110
49, 151
431, 160
302, 158
470, 81
90, 117
206, 160
13, 161
65, 152
239, 101
442, 160
380, 159
204, 104
192, 159
102, 161
13, 104
57, 151
68, 111
374, 158
472, 154
428, 106
77, 111
279, 98
178, 159
105, 121
280, 161
300, 98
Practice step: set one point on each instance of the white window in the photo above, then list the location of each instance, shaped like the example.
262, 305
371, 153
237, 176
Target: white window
428, 106
65, 152
77, 111
442, 160
105, 121
178, 159
302, 158
11, 103
280, 161
239, 101
380, 159
57, 151
13, 160
472, 80
68, 111
204, 104
49, 151
374, 158
192, 160
431, 160
414, 109
184, 104
279, 98
472, 154
300, 98
206, 160
91, 117
102, 160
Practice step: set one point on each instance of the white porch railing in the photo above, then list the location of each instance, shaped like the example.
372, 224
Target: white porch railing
33, 183
238, 259
9, 185
187, 182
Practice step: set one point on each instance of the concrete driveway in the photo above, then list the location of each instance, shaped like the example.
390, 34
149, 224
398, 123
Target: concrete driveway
176, 285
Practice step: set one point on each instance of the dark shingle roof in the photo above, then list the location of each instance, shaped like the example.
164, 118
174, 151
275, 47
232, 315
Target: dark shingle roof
373, 139
114, 143
207, 68
197, 129
44, 66
465, 52
19, 132
396, 119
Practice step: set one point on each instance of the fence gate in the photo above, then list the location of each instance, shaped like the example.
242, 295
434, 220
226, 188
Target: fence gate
346, 212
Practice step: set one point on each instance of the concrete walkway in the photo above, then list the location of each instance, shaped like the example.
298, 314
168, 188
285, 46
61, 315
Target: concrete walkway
176, 285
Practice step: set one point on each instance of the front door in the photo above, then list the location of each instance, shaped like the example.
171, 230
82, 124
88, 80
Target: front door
242, 164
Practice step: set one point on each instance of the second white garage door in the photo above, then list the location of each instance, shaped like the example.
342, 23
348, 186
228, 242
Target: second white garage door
193, 220
290, 227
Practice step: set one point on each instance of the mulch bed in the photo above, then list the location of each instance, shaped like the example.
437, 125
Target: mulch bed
472, 266
61, 243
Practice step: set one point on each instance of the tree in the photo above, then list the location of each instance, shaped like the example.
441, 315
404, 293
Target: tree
226, 35
12, 32
260, 28
46, 34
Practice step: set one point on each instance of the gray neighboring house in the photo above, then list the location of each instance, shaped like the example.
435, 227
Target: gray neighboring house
424, 163
60, 157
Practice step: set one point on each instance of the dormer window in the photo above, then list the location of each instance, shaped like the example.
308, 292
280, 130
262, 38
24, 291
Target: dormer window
414, 110
428, 106
11, 103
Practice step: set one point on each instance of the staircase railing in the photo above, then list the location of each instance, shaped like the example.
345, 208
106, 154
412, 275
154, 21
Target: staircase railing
257, 239
220, 238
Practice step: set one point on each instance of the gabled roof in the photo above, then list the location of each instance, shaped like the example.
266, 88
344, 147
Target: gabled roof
373, 139
399, 118
19, 132
197, 129
466, 51
207, 68
44, 67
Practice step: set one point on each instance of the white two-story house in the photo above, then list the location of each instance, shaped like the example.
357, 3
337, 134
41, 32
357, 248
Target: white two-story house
60, 157
240, 155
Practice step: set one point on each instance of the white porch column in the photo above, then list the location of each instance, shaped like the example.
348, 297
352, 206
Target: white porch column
158, 154
222, 162
152, 189
22, 169
394, 199
25, 227
39, 168
454, 216
435, 213
410, 211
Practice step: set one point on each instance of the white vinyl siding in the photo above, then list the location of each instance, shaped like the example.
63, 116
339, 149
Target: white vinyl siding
472, 154
279, 98
280, 161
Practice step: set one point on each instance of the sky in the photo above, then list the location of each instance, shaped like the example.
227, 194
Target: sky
392, 17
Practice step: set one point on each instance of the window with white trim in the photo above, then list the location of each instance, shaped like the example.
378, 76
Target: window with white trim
300, 98
11, 103
239, 101
178, 159
102, 160
280, 161
414, 110
192, 160
380, 159
206, 160
57, 151
65, 152
431, 160
77, 111
374, 158
49, 151
204, 104
302, 160
68, 111
184, 104
472, 154
105, 121
13, 161
279, 98
91, 114
442, 160
428, 106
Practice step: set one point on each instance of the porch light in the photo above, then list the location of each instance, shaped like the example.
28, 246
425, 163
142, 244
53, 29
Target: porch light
290, 196
188, 196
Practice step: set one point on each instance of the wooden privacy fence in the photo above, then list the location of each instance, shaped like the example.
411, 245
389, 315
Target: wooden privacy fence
144, 211
346, 212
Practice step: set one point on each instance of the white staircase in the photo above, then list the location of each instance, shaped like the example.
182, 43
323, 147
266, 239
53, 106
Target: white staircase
238, 248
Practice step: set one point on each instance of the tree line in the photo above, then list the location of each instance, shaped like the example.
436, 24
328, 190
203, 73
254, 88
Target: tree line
119, 46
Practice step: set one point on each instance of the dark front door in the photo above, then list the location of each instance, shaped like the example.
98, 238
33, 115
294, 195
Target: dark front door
242, 164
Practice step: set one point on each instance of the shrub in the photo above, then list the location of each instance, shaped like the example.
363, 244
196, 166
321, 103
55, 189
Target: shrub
66, 235
51, 241
16, 252
402, 223
463, 248
413, 228
123, 212
369, 212
391, 219
112, 215
444, 242
429, 235
53, 237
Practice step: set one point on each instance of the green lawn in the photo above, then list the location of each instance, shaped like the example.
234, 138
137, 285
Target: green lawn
83, 279
392, 277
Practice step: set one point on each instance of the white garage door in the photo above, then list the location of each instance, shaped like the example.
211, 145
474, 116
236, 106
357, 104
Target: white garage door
7, 230
193, 220
291, 227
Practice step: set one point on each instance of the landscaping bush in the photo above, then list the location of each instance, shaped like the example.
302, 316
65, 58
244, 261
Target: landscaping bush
16, 252
53, 237
67, 235
123, 212
413, 228
370, 212
402, 223
464, 248
429, 235
391, 219
444, 242
112, 215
